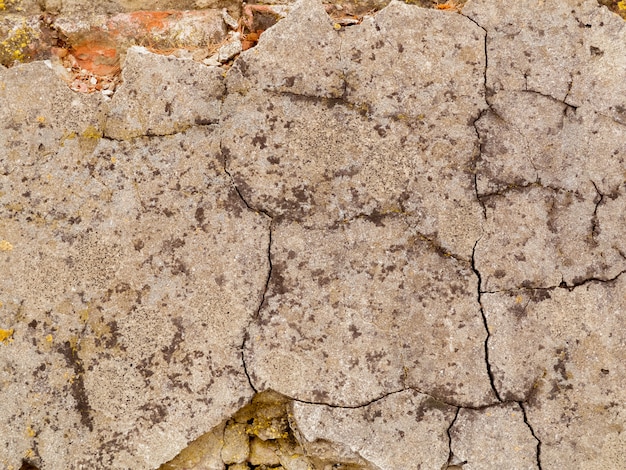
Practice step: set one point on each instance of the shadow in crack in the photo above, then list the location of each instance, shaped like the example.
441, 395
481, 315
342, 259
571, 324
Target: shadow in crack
263, 435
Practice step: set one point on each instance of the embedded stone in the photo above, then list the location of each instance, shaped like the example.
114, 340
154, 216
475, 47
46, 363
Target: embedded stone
162, 95
236, 444
493, 437
549, 349
129, 274
394, 432
367, 308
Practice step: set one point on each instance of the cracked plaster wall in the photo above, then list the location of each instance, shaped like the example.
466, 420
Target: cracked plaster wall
412, 227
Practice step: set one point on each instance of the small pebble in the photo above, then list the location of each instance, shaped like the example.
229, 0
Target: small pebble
229, 20
212, 61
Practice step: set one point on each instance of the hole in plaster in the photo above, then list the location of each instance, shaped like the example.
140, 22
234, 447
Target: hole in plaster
28, 466
262, 436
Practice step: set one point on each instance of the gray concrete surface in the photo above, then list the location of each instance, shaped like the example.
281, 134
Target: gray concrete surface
394, 245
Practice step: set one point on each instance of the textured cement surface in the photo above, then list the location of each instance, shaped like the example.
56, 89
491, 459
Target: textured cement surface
412, 231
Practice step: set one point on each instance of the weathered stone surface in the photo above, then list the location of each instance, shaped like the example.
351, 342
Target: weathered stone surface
115, 6
416, 422
562, 351
263, 452
204, 453
236, 444
532, 46
494, 437
163, 95
389, 221
540, 237
307, 37
367, 308
432, 75
380, 144
127, 286
548, 170
31, 126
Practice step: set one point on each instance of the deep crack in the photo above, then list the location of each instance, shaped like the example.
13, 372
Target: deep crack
594, 217
484, 317
257, 313
532, 431
450, 453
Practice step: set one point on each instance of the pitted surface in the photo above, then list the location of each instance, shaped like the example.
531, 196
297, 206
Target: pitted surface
411, 228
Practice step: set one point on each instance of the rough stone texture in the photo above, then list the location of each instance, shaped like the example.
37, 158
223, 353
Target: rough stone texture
163, 95
548, 173
562, 352
351, 306
494, 437
308, 38
416, 421
32, 127
134, 269
386, 140
413, 228
204, 452
236, 444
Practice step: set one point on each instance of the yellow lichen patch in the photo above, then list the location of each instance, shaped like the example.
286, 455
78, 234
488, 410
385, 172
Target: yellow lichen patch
83, 315
15, 47
30, 432
5, 245
6, 4
49, 338
67, 136
91, 133
6, 335
74, 343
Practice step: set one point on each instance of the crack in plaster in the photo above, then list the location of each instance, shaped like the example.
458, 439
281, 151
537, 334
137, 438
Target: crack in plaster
532, 431
364, 110
594, 217
484, 318
562, 285
269, 271
179, 129
534, 184
473, 261
480, 201
451, 457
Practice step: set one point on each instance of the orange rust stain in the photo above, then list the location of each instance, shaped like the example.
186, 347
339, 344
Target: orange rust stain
151, 20
96, 53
